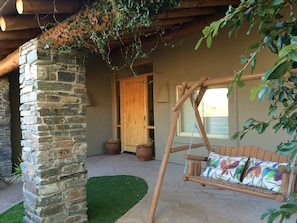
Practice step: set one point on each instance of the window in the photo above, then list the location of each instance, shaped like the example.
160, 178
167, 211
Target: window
213, 110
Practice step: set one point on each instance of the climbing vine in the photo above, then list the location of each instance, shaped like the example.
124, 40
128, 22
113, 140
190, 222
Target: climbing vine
104, 25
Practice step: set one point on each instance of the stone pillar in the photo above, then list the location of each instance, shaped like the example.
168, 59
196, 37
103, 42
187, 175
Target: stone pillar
5, 141
53, 123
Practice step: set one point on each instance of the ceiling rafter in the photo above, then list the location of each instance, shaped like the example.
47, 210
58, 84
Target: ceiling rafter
23, 20
47, 6
178, 13
17, 34
206, 3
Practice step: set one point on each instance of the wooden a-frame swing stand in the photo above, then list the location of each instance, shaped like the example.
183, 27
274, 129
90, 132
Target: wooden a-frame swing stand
186, 93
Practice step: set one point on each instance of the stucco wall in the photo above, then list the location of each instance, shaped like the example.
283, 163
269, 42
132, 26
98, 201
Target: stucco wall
99, 115
172, 66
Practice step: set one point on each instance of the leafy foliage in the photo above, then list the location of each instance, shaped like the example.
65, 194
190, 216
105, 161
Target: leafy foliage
104, 22
285, 211
275, 21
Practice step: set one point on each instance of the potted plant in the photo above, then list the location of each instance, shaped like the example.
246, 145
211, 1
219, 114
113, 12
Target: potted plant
144, 152
113, 146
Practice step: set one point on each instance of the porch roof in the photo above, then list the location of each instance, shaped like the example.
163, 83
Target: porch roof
21, 20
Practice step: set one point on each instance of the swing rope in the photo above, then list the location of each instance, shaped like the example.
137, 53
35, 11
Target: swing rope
192, 136
291, 177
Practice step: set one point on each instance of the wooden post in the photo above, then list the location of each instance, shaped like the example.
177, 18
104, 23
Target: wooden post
166, 154
198, 117
164, 163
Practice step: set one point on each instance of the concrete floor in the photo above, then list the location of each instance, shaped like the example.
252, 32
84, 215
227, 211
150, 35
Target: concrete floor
179, 202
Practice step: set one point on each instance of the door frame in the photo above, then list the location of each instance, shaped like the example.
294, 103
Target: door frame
117, 125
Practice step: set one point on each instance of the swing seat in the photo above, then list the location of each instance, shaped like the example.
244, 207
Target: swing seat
197, 163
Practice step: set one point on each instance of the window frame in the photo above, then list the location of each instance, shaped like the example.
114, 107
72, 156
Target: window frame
195, 133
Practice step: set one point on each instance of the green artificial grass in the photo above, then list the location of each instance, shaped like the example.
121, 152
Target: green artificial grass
13, 215
108, 198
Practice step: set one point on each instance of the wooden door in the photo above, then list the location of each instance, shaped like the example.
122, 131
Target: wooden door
133, 103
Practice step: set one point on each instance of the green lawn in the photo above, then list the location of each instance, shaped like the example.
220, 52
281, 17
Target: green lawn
108, 198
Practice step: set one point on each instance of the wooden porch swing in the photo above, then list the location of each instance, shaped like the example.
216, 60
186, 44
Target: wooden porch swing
194, 162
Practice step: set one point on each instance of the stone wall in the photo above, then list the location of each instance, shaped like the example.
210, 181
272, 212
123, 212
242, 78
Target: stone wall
5, 141
53, 123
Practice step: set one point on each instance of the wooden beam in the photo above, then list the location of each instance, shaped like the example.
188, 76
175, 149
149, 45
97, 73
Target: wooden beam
10, 63
10, 23
113, 44
7, 7
7, 44
178, 13
3, 5
47, 6
204, 3
19, 34
167, 22
5, 52
184, 30
192, 86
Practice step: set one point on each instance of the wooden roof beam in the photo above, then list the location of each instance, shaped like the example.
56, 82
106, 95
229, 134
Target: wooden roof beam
7, 7
144, 33
186, 29
204, 3
9, 63
177, 13
47, 6
4, 52
7, 44
19, 34
167, 22
10, 23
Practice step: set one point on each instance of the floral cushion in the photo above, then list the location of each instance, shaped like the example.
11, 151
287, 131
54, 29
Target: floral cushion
226, 168
263, 174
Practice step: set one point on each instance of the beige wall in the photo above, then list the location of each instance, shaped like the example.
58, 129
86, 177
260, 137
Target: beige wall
99, 116
172, 66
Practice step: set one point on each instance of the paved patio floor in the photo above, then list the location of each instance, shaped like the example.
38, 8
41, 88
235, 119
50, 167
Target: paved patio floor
179, 202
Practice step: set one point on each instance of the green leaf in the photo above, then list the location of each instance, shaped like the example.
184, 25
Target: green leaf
293, 55
261, 127
199, 43
208, 41
256, 89
293, 40
273, 216
216, 25
286, 50
277, 71
267, 212
236, 134
206, 30
253, 46
240, 83
288, 148
289, 207
254, 92
277, 126
261, 94
243, 134
243, 59
276, 2
249, 123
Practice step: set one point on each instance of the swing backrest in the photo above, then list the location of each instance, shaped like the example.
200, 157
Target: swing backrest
251, 151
